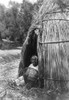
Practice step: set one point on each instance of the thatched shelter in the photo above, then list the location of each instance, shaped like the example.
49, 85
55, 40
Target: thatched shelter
51, 44
54, 42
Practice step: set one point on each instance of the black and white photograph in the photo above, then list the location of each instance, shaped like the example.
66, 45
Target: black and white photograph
34, 49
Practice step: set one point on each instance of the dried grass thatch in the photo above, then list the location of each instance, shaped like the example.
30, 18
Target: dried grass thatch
53, 42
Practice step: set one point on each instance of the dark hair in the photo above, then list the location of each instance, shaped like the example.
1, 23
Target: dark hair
34, 58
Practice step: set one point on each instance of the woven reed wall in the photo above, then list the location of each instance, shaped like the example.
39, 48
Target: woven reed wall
53, 46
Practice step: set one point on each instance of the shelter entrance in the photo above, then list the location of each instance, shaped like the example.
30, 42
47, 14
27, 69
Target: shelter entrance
31, 48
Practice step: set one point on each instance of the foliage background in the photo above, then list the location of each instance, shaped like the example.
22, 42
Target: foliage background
16, 20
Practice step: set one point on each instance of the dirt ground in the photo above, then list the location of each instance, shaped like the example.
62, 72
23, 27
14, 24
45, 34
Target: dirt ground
9, 62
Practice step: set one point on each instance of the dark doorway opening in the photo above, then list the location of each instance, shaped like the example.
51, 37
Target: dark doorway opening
31, 49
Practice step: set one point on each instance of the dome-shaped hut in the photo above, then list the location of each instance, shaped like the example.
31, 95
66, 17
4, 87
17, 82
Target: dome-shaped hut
51, 44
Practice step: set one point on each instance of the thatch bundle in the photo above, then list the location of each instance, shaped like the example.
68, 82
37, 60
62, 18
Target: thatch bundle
53, 42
